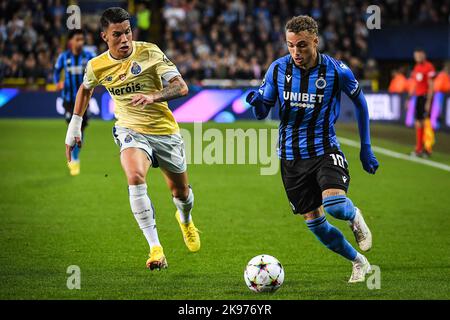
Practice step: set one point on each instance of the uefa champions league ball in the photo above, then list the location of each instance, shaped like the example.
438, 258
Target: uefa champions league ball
264, 273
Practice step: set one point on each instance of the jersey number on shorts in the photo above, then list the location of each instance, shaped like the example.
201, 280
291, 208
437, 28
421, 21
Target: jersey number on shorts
338, 160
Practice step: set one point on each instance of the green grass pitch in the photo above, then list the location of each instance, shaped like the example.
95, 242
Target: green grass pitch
50, 221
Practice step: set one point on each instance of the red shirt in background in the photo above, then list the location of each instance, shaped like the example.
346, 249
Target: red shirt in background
422, 72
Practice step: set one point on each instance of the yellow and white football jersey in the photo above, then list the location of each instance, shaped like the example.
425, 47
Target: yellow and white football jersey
141, 72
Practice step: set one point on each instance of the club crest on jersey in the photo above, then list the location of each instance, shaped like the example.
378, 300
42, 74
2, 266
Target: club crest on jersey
321, 83
128, 139
136, 68
122, 77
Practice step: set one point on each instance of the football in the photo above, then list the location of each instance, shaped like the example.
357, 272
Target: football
264, 273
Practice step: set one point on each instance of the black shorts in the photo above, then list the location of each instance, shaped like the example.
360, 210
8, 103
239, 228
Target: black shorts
68, 107
420, 107
305, 179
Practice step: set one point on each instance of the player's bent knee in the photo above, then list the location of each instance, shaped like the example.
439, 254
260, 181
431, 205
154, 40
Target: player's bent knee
339, 207
135, 177
313, 214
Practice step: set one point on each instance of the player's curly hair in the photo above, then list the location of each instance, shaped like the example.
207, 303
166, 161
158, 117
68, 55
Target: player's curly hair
302, 23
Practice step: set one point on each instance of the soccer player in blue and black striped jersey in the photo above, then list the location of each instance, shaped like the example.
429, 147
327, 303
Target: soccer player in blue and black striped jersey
314, 171
73, 61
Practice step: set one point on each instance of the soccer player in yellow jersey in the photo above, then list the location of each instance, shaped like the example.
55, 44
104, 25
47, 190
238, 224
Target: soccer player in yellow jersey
146, 131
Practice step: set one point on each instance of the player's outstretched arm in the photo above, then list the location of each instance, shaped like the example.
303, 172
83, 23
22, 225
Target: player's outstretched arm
73, 135
175, 89
351, 88
368, 159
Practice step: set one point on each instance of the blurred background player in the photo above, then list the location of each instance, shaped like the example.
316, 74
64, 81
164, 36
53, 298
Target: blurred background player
146, 131
314, 170
422, 74
73, 62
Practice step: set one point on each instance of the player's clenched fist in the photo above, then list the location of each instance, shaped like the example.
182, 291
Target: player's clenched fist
255, 99
142, 100
73, 135
368, 159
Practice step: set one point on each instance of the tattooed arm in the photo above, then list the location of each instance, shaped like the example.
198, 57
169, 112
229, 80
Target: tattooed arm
176, 88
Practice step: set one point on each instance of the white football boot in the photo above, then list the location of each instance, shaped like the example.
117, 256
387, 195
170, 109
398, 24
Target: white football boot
362, 233
360, 269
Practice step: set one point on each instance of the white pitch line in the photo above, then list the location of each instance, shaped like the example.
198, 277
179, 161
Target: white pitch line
397, 155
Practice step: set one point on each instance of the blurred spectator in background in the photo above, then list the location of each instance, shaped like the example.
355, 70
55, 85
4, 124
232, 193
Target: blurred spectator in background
230, 35
442, 80
143, 17
174, 15
31, 70
399, 82
90, 44
14, 67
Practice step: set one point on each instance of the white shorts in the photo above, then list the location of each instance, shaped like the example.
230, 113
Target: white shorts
165, 151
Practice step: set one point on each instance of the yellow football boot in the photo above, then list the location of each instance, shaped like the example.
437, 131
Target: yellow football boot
190, 234
157, 259
74, 167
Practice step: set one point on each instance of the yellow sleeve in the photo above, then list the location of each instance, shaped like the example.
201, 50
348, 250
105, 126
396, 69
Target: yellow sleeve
89, 79
165, 68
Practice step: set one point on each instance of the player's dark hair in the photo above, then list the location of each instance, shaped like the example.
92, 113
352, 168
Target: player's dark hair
72, 33
113, 15
302, 23
419, 49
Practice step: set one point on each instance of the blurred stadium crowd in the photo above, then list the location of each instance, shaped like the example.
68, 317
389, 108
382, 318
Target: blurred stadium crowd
239, 39
207, 39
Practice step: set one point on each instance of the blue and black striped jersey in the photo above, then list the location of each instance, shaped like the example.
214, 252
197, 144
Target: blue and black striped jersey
74, 67
309, 104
